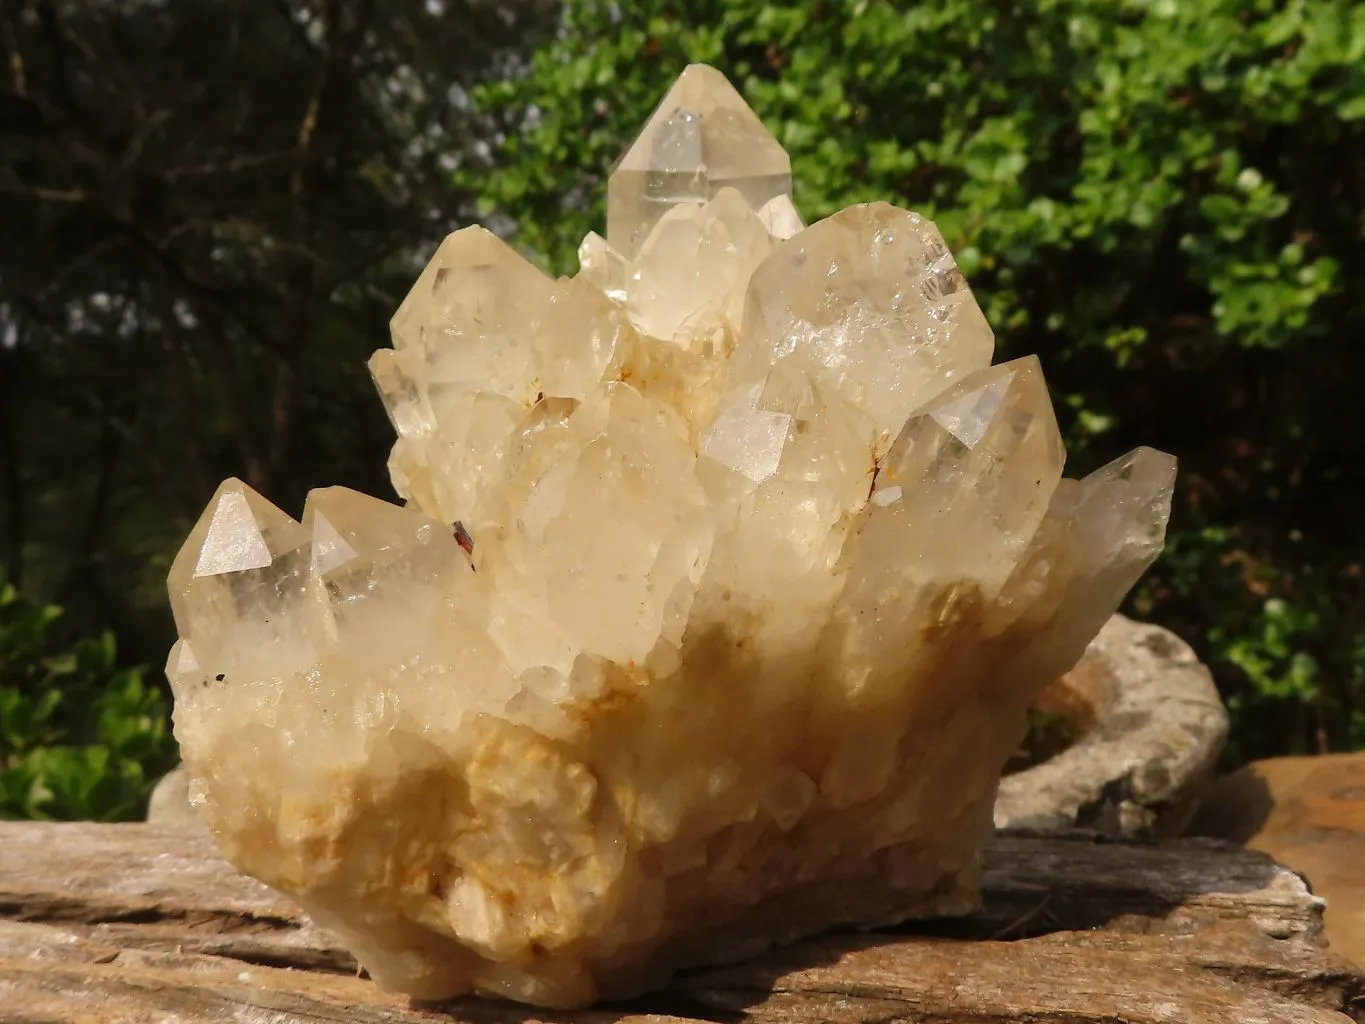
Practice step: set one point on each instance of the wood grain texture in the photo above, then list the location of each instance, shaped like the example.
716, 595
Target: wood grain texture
141, 923
1308, 812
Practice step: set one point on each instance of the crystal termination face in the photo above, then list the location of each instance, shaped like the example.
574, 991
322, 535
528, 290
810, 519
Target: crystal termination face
727, 571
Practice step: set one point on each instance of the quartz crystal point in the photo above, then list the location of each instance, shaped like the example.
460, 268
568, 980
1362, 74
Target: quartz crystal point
727, 571
691, 272
703, 137
481, 337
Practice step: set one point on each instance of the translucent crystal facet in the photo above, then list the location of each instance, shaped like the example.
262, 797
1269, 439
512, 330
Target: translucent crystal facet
872, 299
779, 216
970, 477
703, 137
727, 571
692, 268
482, 337
236, 583
602, 266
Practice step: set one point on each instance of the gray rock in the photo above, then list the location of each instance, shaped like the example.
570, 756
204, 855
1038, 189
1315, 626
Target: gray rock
1138, 772
170, 801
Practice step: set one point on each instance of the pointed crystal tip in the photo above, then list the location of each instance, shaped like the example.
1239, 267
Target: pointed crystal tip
241, 543
238, 531
703, 137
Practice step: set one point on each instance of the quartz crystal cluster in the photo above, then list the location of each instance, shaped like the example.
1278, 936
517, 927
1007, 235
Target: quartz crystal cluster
726, 573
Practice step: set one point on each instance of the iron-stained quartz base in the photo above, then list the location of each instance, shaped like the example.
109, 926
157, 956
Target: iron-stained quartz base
727, 571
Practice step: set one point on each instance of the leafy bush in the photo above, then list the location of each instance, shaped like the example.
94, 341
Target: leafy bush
1164, 200
80, 737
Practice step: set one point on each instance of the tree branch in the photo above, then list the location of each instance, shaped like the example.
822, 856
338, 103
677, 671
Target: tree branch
52, 32
47, 195
309, 123
204, 291
340, 46
17, 73
11, 474
187, 407
236, 165
83, 558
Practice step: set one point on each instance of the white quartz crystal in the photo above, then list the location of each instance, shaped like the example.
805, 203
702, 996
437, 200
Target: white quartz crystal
727, 572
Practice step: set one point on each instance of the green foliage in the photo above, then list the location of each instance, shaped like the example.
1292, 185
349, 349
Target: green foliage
1161, 199
215, 208
1289, 651
210, 212
80, 737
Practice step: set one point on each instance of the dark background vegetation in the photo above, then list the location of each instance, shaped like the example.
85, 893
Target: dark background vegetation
209, 208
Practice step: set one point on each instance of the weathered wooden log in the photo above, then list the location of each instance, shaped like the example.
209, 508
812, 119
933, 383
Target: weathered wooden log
113, 923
